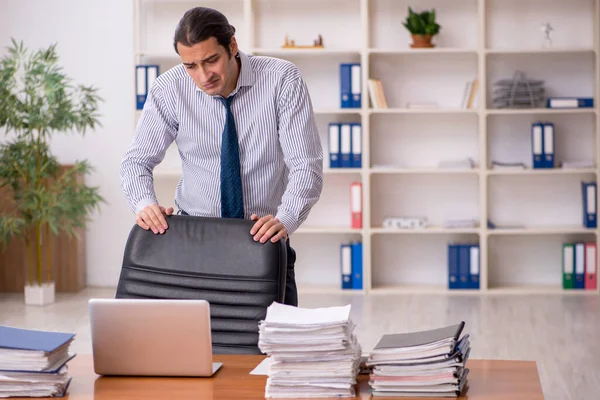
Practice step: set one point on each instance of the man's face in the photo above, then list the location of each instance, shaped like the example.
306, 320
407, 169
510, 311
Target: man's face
209, 65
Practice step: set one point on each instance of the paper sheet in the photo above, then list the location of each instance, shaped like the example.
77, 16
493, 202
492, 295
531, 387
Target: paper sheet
262, 368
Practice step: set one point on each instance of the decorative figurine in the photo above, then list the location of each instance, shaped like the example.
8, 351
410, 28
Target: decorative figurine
291, 44
547, 28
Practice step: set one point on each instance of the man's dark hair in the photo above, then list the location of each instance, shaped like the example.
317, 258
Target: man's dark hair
201, 23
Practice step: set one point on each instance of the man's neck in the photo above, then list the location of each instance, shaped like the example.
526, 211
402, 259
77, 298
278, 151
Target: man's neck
238, 69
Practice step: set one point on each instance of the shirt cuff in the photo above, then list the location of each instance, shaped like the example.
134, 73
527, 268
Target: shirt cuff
289, 222
143, 204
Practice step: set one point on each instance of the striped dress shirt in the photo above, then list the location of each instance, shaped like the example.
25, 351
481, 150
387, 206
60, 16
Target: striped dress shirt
281, 155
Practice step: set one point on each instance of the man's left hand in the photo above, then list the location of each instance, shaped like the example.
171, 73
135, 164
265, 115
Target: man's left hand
267, 227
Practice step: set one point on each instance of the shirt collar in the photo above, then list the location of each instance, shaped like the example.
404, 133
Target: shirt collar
246, 76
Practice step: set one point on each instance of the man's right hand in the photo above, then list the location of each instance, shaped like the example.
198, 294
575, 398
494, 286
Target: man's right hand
153, 217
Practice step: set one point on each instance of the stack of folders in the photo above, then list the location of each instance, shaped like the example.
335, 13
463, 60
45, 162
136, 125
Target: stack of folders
542, 144
579, 266
429, 363
313, 352
463, 266
345, 145
34, 363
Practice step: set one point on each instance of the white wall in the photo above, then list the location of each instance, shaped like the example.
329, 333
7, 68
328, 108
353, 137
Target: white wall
95, 44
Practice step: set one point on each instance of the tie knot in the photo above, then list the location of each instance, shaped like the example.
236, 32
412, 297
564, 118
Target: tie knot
226, 102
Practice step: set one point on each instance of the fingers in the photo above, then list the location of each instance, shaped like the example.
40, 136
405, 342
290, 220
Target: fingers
159, 218
141, 222
275, 228
270, 227
151, 217
261, 226
169, 211
259, 222
282, 234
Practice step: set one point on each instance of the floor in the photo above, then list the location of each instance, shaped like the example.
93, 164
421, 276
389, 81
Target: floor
560, 332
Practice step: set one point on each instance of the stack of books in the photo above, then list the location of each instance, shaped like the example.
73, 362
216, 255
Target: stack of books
33, 363
429, 363
312, 352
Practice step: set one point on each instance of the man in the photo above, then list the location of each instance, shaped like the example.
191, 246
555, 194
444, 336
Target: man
245, 131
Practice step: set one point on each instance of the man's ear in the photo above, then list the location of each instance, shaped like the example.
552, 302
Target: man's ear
233, 47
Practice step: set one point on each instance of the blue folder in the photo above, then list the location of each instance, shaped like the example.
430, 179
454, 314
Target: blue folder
589, 194
453, 282
35, 340
357, 265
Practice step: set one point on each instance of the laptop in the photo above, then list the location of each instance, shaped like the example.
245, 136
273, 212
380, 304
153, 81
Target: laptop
151, 337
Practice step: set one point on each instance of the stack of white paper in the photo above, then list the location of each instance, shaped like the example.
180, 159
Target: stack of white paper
428, 363
457, 223
313, 352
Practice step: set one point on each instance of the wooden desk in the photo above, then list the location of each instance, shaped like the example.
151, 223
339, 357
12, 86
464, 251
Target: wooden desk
488, 380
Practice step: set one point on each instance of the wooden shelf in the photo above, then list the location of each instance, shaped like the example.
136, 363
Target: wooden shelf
539, 290
481, 41
305, 52
423, 111
541, 231
435, 50
401, 171
328, 230
546, 111
333, 111
542, 171
424, 231
541, 51
330, 290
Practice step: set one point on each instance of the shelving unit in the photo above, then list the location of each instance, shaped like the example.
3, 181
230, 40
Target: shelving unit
483, 39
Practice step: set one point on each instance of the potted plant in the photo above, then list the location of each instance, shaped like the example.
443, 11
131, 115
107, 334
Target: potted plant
422, 27
37, 101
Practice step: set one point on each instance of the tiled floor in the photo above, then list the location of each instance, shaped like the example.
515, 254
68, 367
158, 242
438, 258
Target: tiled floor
560, 332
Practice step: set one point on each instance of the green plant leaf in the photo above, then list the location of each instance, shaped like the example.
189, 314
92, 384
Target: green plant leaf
37, 101
423, 23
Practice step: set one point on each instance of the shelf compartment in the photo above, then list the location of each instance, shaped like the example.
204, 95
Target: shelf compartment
509, 140
426, 79
318, 260
412, 262
516, 24
436, 197
533, 262
555, 69
311, 18
322, 77
159, 19
539, 202
459, 20
401, 143
333, 207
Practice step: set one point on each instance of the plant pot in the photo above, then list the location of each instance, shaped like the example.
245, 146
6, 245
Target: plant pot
421, 41
39, 295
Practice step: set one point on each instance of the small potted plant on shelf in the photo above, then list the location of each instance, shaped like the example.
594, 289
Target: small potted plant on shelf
37, 101
422, 26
